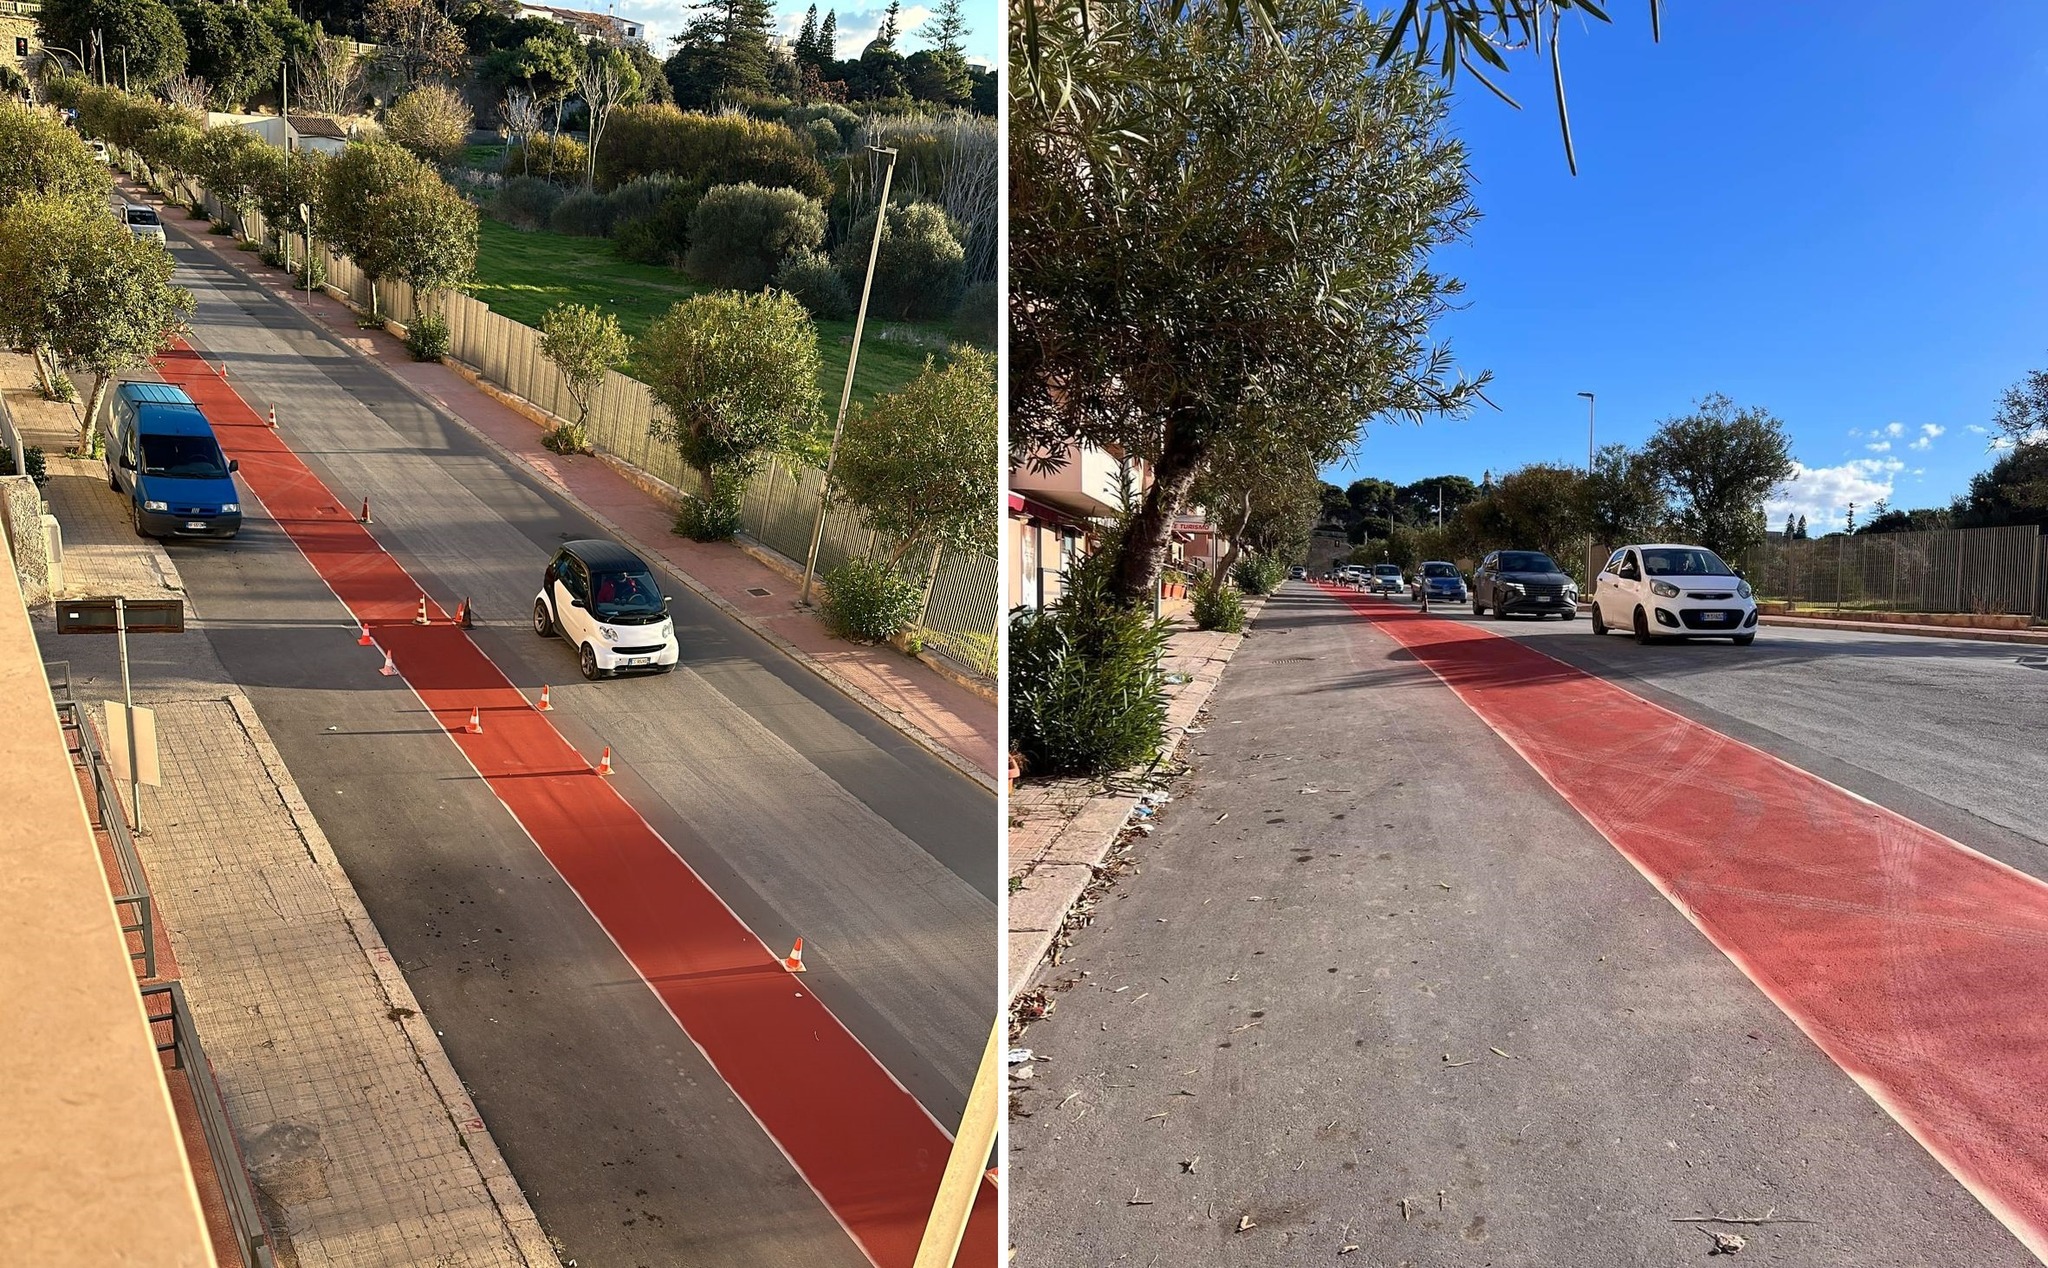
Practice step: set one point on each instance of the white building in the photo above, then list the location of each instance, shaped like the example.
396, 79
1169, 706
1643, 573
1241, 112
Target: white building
604, 26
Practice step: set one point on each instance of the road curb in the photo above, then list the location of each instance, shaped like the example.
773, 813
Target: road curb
1044, 897
1974, 634
957, 762
522, 1227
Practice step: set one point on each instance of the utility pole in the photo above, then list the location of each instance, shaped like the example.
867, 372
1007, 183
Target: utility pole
1590, 573
852, 359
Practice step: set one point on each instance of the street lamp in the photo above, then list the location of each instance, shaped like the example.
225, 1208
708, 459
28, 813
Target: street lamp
1589, 475
852, 359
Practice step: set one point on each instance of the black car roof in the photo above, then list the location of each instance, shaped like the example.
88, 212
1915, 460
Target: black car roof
599, 554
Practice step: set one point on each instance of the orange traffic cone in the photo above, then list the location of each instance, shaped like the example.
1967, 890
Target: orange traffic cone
794, 961
365, 640
423, 618
364, 518
389, 669
544, 706
273, 417
476, 722
463, 617
604, 763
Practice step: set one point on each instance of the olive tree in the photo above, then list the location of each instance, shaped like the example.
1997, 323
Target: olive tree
432, 121
40, 156
921, 463
1265, 255
1717, 465
585, 345
738, 375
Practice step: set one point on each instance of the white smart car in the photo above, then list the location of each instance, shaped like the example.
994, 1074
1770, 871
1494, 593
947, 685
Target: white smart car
1672, 591
604, 600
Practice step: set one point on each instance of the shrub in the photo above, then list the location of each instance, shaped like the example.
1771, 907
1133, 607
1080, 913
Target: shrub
1086, 692
824, 136
706, 150
427, 337
582, 215
921, 266
32, 458
810, 277
638, 199
867, 601
1219, 609
561, 159
713, 519
1258, 576
663, 237
843, 121
740, 234
432, 121
312, 271
975, 319
526, 202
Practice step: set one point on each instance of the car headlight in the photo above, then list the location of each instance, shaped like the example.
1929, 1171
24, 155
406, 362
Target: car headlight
1742, 588
155, 506
1664, 589
231, 508
607, 633
1512, 587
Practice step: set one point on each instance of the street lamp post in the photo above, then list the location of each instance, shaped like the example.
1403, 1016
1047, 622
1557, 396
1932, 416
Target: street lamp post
860, 322
1589, 475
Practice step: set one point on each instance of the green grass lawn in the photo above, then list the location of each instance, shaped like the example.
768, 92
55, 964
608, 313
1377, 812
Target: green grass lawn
522, 275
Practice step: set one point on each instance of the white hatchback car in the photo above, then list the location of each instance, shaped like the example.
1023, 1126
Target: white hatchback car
601, 598
1672, 591
142, 222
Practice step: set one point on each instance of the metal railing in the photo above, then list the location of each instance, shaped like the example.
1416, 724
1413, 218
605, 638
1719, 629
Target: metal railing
110, 818
1985, 571
251, 1238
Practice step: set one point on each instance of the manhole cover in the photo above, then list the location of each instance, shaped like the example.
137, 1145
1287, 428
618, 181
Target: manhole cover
757, 592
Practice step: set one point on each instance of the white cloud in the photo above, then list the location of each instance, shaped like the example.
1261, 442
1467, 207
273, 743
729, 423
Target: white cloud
1855, 431
1999, 444
1930, 430
1975, 430
1822, 494
665, 19
1894, 429
1882, 446
1918, 472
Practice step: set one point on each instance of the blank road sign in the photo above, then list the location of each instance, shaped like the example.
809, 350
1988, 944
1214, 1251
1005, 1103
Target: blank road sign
148, 771
97, 616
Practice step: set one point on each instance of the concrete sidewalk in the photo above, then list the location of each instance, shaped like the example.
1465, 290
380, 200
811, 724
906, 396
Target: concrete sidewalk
363, 1144
947, 718
1061, 830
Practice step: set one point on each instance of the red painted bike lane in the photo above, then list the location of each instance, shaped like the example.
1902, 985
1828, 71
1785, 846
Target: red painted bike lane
1917, 964
860, 1140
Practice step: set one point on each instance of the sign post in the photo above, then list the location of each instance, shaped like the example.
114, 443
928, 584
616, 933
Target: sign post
135, 746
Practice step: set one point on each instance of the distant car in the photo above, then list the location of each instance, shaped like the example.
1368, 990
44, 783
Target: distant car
142, 221
1523, 583
604, 600
1439, 581
1673, 591
99, 151
1297, 573
1387, 579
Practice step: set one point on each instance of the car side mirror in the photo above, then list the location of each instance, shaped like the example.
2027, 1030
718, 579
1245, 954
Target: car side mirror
234, 465
127, 463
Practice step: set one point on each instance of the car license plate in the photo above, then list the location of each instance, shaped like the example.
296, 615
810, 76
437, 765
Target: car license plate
639, 660
1713, 616
195, 523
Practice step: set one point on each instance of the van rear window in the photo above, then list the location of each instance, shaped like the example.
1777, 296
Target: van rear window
142, 216
183, 458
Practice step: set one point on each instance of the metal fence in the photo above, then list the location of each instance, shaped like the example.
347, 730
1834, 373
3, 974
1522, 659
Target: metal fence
781, 504
1985, 571
132, 898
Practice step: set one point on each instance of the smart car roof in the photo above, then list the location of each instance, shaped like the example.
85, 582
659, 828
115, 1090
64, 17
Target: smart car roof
600, 554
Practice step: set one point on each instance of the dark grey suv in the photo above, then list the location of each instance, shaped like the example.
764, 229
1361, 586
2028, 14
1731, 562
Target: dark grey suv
1523, 583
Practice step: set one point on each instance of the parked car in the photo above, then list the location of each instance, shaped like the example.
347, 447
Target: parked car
604, 600
142, 221
1523, 583
1387, 579
163, 457
1673, 591
1439, 581
1297, 573
99, 151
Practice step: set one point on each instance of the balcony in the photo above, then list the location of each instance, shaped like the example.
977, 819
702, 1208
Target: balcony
1087, 486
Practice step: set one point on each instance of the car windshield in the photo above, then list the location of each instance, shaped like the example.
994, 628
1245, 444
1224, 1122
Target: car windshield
1526, 561
183, 457
1684, 561
1439, 570
1388, 570
621, 594
141, 216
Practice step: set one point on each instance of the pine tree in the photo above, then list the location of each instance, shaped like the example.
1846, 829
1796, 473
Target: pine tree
807, 38
828, 38
887, 35
723, 54
1801, 534
1788, 526
947, 30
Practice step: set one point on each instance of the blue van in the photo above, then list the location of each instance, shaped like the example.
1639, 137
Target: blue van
162, 454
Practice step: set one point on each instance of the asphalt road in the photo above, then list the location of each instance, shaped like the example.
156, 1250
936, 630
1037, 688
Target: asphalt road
1375, 984
805, 813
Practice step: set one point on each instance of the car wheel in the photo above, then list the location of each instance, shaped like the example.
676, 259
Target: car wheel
1499, 615
113, 481
543, 623
1478, 608
135, 518
1599, 626
1744, 640
1642, 627
1568, 615
589, 660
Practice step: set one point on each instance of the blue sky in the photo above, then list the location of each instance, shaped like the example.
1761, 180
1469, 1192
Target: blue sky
1837, 212
858, 23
